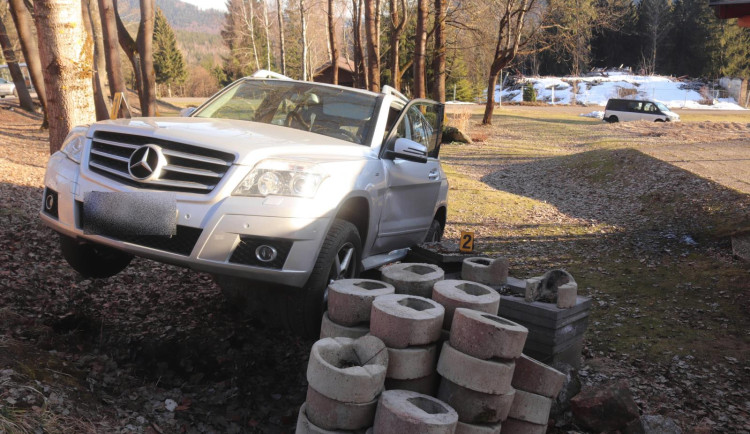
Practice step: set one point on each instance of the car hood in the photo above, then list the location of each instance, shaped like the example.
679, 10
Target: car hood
249, 141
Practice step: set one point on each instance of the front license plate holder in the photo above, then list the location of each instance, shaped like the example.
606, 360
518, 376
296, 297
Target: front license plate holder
118, 214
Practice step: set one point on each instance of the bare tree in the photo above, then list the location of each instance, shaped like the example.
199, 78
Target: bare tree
248, 18
303, 24
92, 23
398, 23
141, 55
266, 28
420, 48
24, 99
438, 65
29, 47
111, 49
359, 54
332, 41
372, 34
510, 36
282, 52
66, 66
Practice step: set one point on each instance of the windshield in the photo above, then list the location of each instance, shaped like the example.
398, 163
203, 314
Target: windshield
662, 107
333, 112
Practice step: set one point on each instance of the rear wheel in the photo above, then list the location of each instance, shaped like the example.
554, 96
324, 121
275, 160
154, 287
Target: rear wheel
612, 119
435, 233
93, 260
659, 120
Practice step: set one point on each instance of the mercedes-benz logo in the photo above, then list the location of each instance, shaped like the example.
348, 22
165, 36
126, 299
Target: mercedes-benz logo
146, 162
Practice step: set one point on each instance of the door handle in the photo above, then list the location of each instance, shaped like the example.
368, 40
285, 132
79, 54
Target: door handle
433, 175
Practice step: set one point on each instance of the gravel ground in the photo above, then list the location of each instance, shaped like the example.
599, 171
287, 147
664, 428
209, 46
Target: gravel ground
156, 348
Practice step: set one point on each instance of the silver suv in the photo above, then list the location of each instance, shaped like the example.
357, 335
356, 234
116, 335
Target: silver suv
275, 186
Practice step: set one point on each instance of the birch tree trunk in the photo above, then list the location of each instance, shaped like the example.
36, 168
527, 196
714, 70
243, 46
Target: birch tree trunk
420, 46
282, 50
303, 23
24, 99
332, 39
66, 59
29, 47
268, 39
248, 16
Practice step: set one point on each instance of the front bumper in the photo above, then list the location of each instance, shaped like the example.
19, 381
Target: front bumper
211, 233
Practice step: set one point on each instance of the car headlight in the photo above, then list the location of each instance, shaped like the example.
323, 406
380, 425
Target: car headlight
73, 144
281, 178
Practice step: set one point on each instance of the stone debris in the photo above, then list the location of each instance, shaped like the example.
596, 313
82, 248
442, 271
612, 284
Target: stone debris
413, 279
402, 411
453, 294
609, 407
488, 271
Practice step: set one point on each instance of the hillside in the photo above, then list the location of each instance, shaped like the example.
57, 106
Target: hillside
181, 16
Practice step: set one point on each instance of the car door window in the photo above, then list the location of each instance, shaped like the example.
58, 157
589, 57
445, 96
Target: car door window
422, 124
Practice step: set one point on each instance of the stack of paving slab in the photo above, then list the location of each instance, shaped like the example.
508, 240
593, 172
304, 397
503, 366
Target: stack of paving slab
349, 306
345, 379
537, 385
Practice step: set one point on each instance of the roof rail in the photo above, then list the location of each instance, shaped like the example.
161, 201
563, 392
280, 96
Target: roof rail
264, 73
391, 91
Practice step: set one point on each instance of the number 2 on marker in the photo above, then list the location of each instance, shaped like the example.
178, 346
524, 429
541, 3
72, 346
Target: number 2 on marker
467, 242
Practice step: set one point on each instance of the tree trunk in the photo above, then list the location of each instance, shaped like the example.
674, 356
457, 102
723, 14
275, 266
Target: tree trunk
93, 25
439, 62
282, 51
372, 37
397, 27
489, 108
24, 99
145, 43
420, 47
29, 47
248, 16
130, 48
359, 55
334, 49
268, 39
66, 65
303, 23
111, 49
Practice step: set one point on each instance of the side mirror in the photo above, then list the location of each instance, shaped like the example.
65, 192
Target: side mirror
187, 112
409, 150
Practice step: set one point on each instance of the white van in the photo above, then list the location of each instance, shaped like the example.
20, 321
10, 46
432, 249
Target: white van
635, 110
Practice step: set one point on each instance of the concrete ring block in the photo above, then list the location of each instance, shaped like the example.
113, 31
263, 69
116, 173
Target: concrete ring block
487, 271
348, 370
514, 426
329, 329
484, 428
567, 295
486, 376
304, 426
413, 279
475, 407
403, 411
330, 414
453, 294
350, 300
486, 336
530, 407
427, 385
402, 320
535, 377
411, 362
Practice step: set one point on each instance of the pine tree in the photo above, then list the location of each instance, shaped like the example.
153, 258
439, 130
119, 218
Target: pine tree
692, 46
736, 46
169, 65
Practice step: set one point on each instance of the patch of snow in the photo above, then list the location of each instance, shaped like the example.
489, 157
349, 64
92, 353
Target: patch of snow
598, 89
594, 114
459, 102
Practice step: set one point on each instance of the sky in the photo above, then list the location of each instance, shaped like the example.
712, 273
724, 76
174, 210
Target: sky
207, 4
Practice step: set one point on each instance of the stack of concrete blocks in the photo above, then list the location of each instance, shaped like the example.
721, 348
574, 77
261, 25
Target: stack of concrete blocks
413, 279
537, 386
349, 306
410, 327
487, 271
407, 412
556, 330
477, 367
345, 378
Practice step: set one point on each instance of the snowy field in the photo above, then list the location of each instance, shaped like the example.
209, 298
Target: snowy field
597, 90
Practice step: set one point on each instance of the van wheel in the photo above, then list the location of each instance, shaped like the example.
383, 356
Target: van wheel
612, 119
659, 120
435, 233
93, 260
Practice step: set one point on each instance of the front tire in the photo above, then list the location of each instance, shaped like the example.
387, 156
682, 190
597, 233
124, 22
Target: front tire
612, 119
435, 232
93, 260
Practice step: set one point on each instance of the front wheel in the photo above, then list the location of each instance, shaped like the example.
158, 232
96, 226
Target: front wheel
435, 232
612, 119
93, 260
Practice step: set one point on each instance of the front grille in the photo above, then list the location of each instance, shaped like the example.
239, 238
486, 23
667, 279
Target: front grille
245, 252
182, 243
189, 168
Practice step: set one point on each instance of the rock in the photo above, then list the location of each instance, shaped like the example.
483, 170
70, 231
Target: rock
608, 407
571, 387
741, 246
656, 424
544, 288
453, 134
